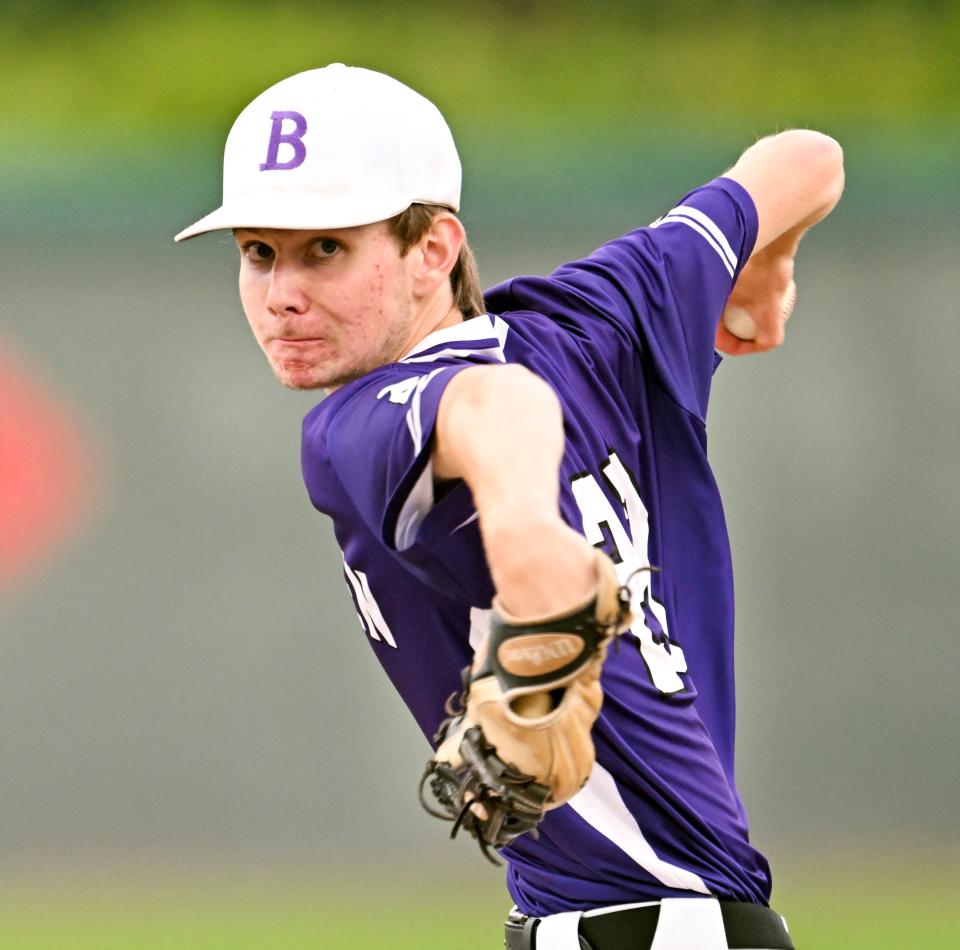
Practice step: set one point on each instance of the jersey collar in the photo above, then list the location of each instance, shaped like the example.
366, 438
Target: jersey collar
484, 335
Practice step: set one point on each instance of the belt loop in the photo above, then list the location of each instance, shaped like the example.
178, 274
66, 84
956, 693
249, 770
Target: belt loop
559, 931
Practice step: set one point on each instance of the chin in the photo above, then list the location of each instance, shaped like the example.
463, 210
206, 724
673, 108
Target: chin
306, 378
299, 377
298, 385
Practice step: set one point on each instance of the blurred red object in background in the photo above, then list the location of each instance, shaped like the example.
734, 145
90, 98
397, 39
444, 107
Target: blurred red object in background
46, 464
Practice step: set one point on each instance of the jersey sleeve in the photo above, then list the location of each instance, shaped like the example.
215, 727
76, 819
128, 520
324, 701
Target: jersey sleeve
660, 288
379, 441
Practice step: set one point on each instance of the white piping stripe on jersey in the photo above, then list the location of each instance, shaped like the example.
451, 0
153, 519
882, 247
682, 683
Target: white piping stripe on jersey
466, 521
419, 499
600, 805
704, 226
415, 508
679, 219
688, 212
413, 413
413, 422
495, 351
459, 337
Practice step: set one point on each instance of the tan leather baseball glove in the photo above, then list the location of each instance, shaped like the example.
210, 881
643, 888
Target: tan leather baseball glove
519, 744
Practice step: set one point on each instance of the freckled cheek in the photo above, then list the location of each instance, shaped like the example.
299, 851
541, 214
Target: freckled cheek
361, 326
353, 309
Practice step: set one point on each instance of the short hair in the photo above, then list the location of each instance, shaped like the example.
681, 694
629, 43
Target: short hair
411, 225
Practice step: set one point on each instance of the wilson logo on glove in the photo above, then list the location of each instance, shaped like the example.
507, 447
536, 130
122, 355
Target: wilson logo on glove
538, 653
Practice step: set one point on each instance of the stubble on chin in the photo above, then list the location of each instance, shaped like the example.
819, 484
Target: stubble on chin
322, 377
299, 381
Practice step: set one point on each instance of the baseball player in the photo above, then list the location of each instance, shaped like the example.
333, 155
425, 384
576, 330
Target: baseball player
520, 488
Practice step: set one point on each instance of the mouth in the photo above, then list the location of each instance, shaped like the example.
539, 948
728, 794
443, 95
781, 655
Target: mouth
295, 347
294, 354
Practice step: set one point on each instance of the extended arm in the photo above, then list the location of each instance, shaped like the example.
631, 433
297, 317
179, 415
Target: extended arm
500, 429
795, 179
522, 742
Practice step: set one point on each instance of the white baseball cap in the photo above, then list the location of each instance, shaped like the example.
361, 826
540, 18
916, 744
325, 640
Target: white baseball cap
333, 148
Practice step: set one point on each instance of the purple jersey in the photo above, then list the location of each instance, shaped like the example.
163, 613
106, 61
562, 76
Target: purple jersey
626, 339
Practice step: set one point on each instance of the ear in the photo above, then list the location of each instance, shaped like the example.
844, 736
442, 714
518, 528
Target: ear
438, 250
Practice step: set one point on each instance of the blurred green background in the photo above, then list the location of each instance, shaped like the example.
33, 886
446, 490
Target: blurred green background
198, 748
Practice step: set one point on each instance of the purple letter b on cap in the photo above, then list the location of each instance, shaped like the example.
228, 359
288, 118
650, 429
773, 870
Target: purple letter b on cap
278, 137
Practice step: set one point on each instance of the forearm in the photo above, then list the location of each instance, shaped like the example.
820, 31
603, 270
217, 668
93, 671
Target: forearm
500, 429
795, 179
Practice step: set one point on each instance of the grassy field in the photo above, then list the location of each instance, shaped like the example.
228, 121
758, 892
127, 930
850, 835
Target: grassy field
105, 72
861, 907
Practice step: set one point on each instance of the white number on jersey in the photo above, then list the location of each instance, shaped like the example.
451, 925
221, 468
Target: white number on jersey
368, 610
601, 522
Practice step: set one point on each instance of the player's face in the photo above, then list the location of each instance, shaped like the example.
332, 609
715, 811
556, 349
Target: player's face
326, 306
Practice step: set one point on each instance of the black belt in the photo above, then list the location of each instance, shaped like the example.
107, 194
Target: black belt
746, 926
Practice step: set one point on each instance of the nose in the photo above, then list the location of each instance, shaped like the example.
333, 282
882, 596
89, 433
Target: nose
285, 294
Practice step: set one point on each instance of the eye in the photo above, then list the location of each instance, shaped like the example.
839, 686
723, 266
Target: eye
325, 247
257, 252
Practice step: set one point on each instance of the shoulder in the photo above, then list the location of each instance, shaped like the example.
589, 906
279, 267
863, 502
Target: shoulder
400, 396
364, 408
715, 222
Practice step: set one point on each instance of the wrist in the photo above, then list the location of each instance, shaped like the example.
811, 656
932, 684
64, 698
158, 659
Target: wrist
768, 272
539, 565
783, 248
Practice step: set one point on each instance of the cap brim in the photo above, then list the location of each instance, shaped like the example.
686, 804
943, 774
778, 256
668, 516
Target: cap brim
298, 212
